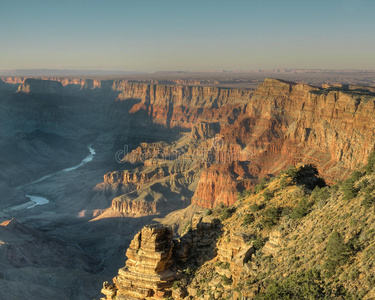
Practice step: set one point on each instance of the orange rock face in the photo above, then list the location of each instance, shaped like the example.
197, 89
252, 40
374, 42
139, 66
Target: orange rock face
147, 273
183, 106
262, 132
287, 123
220, 183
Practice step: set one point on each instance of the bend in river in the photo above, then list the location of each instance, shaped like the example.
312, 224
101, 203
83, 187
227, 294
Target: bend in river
38, 200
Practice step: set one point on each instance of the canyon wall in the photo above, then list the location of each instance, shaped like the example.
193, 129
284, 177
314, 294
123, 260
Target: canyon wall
286, 123
246, 135
240, 135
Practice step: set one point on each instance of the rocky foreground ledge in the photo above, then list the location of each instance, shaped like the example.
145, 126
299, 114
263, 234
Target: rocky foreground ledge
155, 260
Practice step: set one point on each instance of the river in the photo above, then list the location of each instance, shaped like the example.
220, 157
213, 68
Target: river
39, 200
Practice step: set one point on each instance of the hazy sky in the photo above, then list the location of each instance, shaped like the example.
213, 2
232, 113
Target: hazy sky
187, 35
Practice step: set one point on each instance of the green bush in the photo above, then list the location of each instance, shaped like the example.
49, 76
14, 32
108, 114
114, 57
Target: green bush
356, 175
176, 285
301, 210
226, 280
188, 271
365, 185
223, 265
242, 195
320, 194
306, 285
187, 227
260, 186
207, 212
248, 219
267, 195
292, 172
337, 253
259, 243
348, 188
226, 213
370, 166
368, 201
270, 217
255, 207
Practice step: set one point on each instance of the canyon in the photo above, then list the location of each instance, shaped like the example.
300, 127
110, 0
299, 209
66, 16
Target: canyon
161, 149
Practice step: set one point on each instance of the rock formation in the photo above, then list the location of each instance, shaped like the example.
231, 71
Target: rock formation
239, 136
282, 123
36, 86
147, 274
286, 123
154, 260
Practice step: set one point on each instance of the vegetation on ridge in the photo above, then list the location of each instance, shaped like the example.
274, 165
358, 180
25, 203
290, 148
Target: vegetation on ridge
309, 240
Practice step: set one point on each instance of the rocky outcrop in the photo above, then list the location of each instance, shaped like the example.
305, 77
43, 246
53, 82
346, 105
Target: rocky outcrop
134, 207
155, 261
183, 106
147, 274
37, 86
14, 80
205, 130
220, 183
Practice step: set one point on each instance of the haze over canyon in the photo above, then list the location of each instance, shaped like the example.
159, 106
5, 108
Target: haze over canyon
154, 166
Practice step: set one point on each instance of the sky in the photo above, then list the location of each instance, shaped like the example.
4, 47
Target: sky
150, 36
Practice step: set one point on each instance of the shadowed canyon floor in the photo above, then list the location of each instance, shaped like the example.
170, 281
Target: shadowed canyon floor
162, 153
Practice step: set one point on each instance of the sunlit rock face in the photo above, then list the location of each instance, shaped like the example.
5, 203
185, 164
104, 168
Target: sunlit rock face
244, 135
147, 272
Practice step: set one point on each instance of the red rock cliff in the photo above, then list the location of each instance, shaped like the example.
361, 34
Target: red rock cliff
286, 123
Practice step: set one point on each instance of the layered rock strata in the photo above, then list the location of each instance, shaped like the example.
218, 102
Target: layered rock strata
147, 274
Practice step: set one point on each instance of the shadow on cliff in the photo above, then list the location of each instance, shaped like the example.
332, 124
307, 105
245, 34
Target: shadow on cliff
198, 245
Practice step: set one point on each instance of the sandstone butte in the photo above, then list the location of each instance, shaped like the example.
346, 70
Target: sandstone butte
153, 259
261, 132
147, 272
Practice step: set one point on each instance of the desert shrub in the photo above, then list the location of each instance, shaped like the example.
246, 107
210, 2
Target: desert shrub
223, 265
207, 212
248, 219
260, 186
301, 210
348, 188
270, 217
255, 207
320, 194
259, 243
188, 271
334, 189
286, 211
187, 227
337, 253
364, 185
370, 166
226, 213
353, 273
242, 195
226, 280
176, 285
267, 195
292, 172
356, 175
307, 285
284, 182
368, 200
